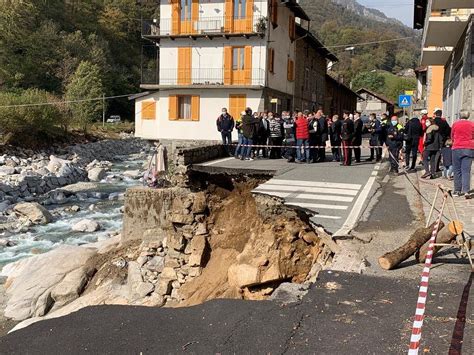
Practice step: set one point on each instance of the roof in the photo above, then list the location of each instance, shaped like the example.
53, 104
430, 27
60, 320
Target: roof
139, 95
296, 8
381, 97
337, 82
316, 43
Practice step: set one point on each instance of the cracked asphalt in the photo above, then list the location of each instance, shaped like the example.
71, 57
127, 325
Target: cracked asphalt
341, 314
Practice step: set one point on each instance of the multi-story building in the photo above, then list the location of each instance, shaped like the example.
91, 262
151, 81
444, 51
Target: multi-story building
215, 54
372, 102
447, 51
312, 60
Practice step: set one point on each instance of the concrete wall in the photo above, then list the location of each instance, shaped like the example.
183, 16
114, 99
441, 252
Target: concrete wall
434, 96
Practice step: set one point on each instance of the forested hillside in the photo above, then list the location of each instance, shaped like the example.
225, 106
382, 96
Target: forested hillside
337, 25
54, 48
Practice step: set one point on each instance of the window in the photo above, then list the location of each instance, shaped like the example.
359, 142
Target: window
271, 60
185, 10
240, 7
184, 107
238, 58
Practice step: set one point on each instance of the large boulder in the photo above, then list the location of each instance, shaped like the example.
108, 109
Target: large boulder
7, 170
96, 174
34, 212
31, 281
132, 174
86, 225
55, 164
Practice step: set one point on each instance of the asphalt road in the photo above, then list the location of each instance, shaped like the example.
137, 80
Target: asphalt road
342, 314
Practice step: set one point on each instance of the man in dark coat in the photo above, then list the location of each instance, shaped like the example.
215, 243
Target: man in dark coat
375, 130
347, 136
249, 130
335, 127
413, 133
444, 131
225, 125
357, 140
323, 130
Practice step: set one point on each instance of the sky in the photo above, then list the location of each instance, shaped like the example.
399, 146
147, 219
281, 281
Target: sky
401, 10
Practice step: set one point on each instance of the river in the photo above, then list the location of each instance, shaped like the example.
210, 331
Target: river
96, 206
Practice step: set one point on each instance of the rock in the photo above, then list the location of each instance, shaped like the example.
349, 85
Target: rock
56, 163
172, 263
180, 218
144, 289
132, 174
289, 293
31, 280
86, 225
157, 263
164, 287
201, 229
242, 275
70, 287
7, 243
75, 208
176, 241
96, 174
34, 212
169, 274
198, 249
116, 196
142, 260
7, 170
4, 206
200, 203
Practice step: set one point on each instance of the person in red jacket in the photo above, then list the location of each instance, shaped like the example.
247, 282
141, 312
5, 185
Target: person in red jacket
421, 143
462, 135
302, 138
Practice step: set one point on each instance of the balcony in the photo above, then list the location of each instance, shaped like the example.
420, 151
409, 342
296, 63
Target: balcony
202, 78
204, 27
452, 4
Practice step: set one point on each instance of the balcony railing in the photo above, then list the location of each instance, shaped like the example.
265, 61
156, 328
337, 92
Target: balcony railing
204, 77
203, 26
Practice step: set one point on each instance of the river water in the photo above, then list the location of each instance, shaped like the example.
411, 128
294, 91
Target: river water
107, 213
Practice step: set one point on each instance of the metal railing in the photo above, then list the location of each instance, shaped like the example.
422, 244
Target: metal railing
203, 26
204, 77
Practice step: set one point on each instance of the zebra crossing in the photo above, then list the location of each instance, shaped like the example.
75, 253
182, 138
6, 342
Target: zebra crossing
328, 200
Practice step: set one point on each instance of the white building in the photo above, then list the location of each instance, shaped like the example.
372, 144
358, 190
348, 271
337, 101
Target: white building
214, 54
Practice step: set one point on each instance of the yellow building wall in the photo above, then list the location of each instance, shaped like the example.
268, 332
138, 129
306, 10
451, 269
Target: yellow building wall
435, 88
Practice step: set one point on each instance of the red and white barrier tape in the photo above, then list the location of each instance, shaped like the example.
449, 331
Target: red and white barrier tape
302, 146
423, 291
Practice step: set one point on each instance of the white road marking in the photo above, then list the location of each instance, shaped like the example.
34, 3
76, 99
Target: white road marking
326, 217
270, 187
315, 206
315, 184
297, 196
217, 161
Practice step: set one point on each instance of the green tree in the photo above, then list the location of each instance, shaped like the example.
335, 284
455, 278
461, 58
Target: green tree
369, 80
26, 124
86, 84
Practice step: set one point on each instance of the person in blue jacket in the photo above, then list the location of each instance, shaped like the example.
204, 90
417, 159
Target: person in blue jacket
394, 143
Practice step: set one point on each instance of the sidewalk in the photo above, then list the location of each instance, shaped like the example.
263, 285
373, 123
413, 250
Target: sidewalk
465, 208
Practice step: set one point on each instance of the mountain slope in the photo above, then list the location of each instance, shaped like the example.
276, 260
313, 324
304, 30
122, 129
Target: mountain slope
340, 26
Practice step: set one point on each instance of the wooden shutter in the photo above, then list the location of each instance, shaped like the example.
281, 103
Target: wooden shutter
249, 16
184, 65
175, 26
173, 107
292, 28
237, 104
148, 110
291, 70
274, 13
271, 60
248, 65
195, 107
195, 11
227, 65
229, 16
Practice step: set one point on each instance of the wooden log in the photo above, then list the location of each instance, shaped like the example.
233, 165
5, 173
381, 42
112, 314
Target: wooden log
392, 259
445, 236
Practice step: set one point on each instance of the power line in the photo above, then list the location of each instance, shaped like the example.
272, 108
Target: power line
68, 101
367, 43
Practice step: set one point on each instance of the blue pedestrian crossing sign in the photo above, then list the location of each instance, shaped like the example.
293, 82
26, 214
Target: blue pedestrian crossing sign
404, 101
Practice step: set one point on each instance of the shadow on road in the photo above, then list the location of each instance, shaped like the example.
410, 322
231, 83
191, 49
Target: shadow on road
458, 332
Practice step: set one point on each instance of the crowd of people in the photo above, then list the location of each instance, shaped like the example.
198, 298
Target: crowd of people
302, 137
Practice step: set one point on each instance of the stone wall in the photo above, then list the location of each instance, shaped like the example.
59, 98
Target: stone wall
199, 154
